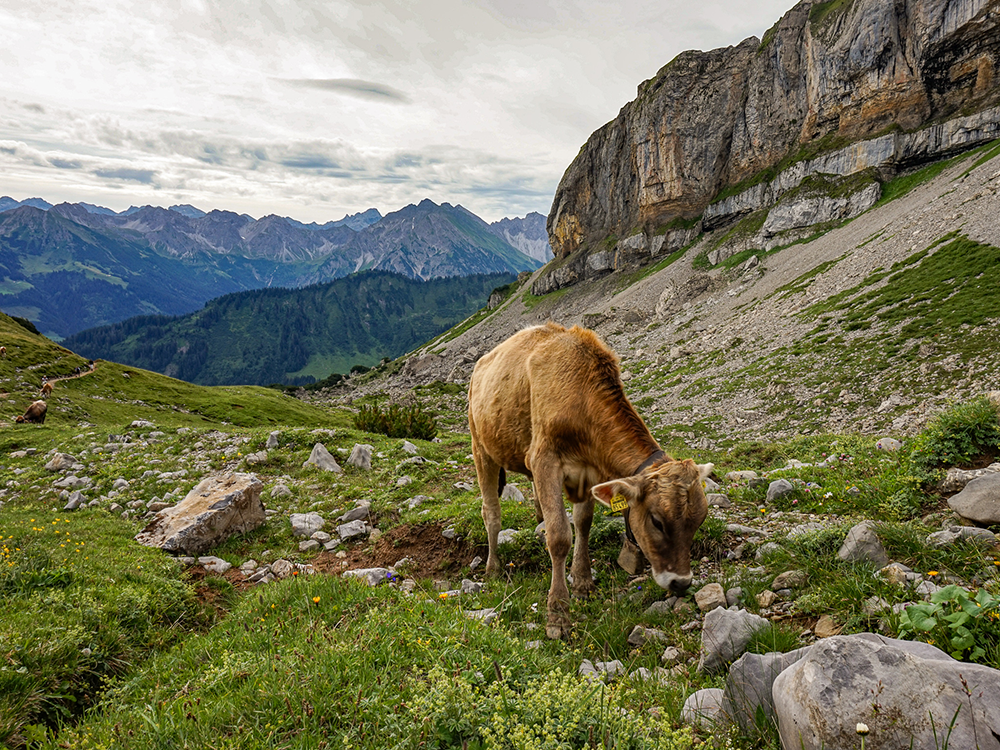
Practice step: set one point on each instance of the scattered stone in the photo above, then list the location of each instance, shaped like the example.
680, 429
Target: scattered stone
766, 598
306, 524
826, 627
862, 544
256, 458
979, 502
409, 447
748, 686
464, 486
717, 500
703, 708
415, 502
804, 529
214, 565
119, 484
282, 568
76, 499
671, 655
361, 456
908, 674
663, 607
471, 587
321, 459
216, 509
476, 562
272, 441
710, 596
659, 675
359, 513
371, 576
888, 444
352, 530
61, 462
309, 545
766, 549
487, 615
404, 480
641, 636
156, 507
954, 534
605, 671
512, 493
790, 579
725, 633
779, 488
505, 536
741, 476
896, 573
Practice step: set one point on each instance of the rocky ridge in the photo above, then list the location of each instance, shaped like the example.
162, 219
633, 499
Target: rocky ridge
832, 87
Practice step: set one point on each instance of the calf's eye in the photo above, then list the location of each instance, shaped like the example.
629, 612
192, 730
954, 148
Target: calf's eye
657, 523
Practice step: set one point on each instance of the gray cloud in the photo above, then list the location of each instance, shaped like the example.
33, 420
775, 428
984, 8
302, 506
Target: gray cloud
145, 176
352, 87
60, 163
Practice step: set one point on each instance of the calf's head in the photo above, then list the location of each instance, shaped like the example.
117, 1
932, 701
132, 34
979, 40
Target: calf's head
666, 506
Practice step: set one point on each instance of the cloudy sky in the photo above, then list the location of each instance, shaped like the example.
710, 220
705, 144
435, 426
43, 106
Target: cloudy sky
317, 108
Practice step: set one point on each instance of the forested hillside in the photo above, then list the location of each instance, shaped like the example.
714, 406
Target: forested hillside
291, 336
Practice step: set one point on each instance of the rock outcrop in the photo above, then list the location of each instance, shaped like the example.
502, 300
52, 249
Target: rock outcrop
833, 88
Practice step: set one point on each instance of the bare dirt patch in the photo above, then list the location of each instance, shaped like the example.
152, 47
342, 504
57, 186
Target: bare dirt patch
431, 555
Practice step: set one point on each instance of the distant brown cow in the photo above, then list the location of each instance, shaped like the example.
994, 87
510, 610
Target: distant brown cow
34, 413
3, 351
46, 388
549, 403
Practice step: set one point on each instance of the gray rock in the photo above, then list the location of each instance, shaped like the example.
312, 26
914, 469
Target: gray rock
216, 509
359, 513
371, 576
718, 500
671, 655
506, 535
487, 615
804, 529
306, 524
703, 708
741, 476
748, 685
415, 502
662, 607
119, 484
61, 462
766, 549
954, 534
605, 671
352, 530
512, 493
361, 456
280, 490
464, 486
321, 459
471, 587
790, 579
980, 500
309, 545
659, 675
214, 565
640, 636
820, 699
733, 596
724, 635
888, 444
76, 499
320, 536
779, 488
272, 441
862, 544
409, 447
710, 596
404, 480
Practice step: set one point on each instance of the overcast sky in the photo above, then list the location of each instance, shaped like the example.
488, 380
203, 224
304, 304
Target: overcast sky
317, 108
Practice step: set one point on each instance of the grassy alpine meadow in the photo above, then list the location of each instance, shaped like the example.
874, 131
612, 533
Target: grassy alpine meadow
106, 643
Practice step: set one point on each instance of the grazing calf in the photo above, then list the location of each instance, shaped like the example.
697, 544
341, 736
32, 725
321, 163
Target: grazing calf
3, 351
46, 388
34, 414
548, 403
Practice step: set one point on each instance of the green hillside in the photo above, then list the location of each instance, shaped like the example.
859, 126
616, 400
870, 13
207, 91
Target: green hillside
115, 395
292, 336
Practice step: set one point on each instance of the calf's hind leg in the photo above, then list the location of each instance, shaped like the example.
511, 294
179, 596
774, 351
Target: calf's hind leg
488, 473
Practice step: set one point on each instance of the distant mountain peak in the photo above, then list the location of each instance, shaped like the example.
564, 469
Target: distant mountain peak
186, 209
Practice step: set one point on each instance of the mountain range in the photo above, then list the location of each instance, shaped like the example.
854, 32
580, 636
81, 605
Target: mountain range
292, 336
73, 266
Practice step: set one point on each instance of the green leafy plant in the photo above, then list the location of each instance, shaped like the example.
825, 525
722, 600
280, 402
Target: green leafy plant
955, 437
396, 421
961, 624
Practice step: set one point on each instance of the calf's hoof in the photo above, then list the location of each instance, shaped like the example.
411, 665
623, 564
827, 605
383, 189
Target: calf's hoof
557, 632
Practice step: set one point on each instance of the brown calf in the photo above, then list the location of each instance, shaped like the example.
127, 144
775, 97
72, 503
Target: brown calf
35, 413
46, 389
548, 403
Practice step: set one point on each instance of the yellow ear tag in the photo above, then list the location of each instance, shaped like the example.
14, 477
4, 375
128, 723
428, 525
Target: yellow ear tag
618, 503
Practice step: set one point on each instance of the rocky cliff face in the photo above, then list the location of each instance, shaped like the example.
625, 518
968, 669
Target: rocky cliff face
826, 76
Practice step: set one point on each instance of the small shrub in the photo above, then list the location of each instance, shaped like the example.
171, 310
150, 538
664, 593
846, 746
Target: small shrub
954, 438
965, 626
397, 421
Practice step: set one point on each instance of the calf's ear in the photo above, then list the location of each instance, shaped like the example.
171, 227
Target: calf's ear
705, 470
626, 487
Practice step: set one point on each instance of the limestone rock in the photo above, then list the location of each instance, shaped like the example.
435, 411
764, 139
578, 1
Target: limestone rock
703, 708
361, 456
779, 488
710, 596
862, 543
306, 524
819, 699
371, 576
272, 441
725, 634
980, 500
954, 534
748, 685
321, 459
216, 509
61, 462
